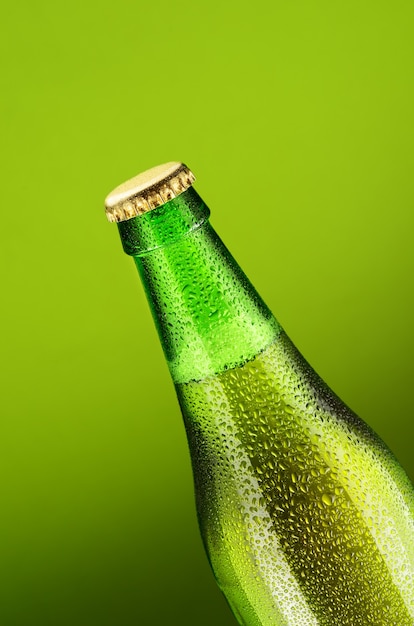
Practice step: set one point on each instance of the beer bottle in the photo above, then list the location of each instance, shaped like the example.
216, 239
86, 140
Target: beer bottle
306, 516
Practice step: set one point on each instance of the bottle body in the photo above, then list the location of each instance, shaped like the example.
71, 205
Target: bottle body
306, 516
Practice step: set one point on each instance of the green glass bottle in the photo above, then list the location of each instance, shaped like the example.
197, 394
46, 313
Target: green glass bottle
306, 516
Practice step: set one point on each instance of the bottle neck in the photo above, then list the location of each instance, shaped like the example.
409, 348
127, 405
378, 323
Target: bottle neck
208, 315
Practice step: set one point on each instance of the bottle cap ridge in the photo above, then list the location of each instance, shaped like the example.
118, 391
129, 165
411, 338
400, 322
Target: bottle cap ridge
147, 191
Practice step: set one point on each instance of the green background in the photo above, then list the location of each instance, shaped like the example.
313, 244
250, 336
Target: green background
297, 119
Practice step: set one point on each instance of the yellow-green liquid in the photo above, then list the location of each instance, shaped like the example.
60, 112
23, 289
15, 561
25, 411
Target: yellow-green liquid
306, 516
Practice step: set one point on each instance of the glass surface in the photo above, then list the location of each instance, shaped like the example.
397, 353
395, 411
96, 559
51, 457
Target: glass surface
306, 516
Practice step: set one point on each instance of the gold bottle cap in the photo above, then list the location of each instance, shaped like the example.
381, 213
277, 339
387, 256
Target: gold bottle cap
147, 191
